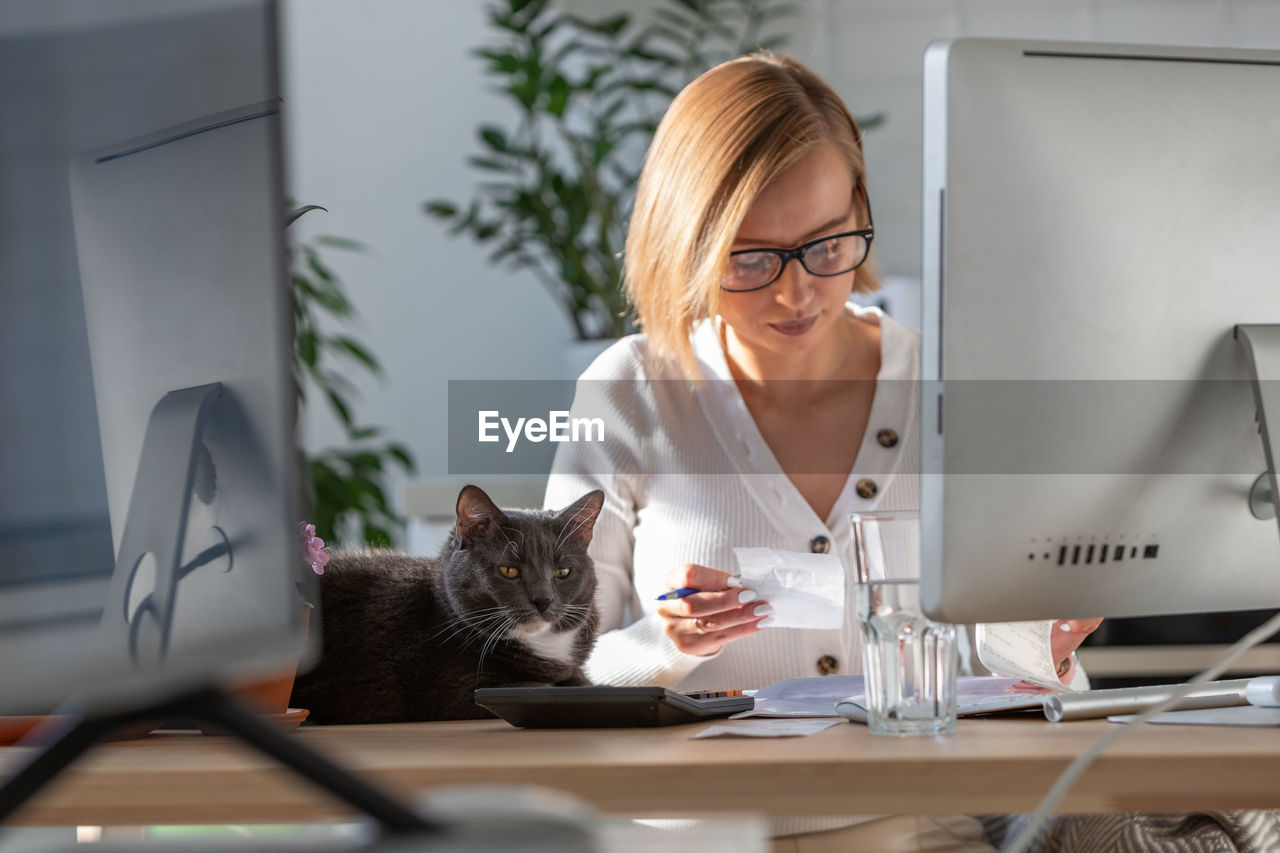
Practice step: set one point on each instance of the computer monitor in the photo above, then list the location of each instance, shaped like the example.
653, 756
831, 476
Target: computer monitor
1098, 219
149, 502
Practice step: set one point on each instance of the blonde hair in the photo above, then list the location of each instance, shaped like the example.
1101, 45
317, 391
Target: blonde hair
724, 138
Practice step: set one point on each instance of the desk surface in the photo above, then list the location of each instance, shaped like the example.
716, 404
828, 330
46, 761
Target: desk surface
991, 765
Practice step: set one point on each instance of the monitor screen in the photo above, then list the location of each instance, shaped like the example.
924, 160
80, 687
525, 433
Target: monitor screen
1098, 219
143, 316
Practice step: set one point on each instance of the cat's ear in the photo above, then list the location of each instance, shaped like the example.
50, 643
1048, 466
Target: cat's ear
578, 520
478, 516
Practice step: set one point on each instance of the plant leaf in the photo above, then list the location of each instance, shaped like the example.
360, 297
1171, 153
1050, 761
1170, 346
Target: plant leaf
307, 348
401, 454
345, 243
366, 460
491, 164
340, 406
357, 351
605, 26
495, 137
440, 209
868, 122
499, 61
558, 96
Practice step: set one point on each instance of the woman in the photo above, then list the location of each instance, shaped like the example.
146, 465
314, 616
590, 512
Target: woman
758, 408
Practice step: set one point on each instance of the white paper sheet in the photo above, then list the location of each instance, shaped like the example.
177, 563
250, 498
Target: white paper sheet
768, 728
813, 696
817, 696
806, 590
1021, 650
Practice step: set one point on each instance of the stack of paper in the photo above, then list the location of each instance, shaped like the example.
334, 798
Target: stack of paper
819, 696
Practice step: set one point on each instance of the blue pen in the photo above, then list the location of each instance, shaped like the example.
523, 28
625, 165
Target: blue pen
689, 590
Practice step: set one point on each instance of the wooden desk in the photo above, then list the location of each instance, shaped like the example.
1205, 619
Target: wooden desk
994, 765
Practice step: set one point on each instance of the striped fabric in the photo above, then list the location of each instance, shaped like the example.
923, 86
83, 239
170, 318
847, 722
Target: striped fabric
1194, 832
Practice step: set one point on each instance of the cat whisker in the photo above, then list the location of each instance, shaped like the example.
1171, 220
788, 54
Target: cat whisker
494, 639
472, 637
580, 614
463, 623
490, 636
457, 620
494, 627
515, 549
471, 632
578, 520
482, 611
479, 626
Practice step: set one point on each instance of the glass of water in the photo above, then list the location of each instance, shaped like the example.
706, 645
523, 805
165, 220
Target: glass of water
909, 660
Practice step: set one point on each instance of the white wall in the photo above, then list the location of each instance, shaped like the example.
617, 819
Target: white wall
873, 58
384, 96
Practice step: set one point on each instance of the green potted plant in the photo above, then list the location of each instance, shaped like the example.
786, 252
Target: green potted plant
346, 485
558, 182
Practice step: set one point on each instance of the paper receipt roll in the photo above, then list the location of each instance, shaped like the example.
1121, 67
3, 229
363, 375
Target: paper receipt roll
1089, 704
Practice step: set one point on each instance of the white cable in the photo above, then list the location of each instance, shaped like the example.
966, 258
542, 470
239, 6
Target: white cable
1082, 761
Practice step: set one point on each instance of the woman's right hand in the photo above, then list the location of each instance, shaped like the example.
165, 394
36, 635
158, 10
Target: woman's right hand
701, 623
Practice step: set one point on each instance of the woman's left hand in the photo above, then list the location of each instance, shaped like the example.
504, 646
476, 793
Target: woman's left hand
1066, 637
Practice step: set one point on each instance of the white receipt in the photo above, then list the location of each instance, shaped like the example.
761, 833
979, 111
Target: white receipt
806, 590
1020, 650
768, 728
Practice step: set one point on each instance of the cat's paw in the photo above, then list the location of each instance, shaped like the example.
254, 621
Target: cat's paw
575, 680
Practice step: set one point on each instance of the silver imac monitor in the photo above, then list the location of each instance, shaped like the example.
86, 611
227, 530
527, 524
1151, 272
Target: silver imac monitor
1098, 220
149, 501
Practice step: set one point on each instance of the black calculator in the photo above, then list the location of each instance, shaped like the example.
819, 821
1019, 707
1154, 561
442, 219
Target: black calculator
608, 707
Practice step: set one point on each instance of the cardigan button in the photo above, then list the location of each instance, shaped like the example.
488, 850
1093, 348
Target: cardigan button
819, 544
867, 489
887, 438
827, 665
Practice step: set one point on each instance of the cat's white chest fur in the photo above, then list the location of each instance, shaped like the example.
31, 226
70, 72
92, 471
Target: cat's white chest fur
545, 643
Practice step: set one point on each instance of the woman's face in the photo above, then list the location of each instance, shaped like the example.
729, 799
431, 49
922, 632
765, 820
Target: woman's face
797, 313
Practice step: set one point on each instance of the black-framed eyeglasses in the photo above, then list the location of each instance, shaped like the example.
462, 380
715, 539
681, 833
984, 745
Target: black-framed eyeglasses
835, 254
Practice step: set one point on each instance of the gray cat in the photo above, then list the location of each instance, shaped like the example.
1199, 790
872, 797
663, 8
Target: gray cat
510, 600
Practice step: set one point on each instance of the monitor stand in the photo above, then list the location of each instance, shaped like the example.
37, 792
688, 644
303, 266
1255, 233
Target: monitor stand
213, 707
173, 461
1261, 346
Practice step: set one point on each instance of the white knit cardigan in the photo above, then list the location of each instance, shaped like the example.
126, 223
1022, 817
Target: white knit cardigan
687, 478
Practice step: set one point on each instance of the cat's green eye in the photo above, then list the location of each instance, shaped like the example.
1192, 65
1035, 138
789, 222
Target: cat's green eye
562, 572
509, 571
